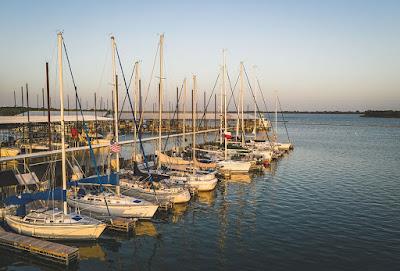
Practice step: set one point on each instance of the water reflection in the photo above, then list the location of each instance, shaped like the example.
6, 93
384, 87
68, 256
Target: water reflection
92, 251
239, 178
146, 228
207, 197
178, 211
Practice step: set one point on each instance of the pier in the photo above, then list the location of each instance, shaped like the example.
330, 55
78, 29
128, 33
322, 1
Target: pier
51, 251
121, 224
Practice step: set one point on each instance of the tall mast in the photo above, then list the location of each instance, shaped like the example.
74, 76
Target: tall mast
161, 89
184, 114
215, 110
205, 115
43, 101
276, 116
140, 97
225, 105
241, 102
22, 100
135, 105
63, 158
48, 104
76, 113
255, 101
29, 121
194, 120
238, 108
221, 98
114, 75
95, 113
176, 123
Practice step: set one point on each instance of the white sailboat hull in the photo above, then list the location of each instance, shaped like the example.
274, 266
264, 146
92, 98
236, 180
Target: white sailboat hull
265, 154
285, 146
138, 211
205, 182
180, 196
61, 231
234, 166
203, 185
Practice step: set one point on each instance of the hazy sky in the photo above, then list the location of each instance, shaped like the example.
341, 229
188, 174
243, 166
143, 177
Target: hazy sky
318, 55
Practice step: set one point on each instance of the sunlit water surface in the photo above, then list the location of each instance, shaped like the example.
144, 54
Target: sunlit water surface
331, 204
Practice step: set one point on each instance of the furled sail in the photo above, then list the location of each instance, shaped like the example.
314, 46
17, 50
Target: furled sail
168, 160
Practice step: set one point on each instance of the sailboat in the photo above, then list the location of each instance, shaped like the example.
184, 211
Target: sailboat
114, 205
138, 184
196, 179
229, 165
141, 184
273, 146
110, 203
53, 223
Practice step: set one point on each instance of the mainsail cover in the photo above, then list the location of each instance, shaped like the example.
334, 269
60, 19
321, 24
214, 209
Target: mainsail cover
168, 160
204, 166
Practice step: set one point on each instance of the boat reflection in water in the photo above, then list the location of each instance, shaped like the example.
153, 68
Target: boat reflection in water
146, 228
178, 211
207, 197
271, 169
92, 251
239, 178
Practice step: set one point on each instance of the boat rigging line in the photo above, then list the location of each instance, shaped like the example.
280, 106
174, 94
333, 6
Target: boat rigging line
258, 108
93, 158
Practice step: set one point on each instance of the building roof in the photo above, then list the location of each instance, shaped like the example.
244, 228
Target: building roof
43, 119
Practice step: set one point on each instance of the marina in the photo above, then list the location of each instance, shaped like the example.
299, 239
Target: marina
89, 200
199, 136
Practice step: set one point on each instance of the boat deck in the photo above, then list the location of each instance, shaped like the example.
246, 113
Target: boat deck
49, 250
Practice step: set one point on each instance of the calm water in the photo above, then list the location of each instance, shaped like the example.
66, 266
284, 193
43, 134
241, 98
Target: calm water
331, 204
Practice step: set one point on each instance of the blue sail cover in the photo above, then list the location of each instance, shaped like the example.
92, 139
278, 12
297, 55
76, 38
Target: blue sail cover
25, 198
111, 179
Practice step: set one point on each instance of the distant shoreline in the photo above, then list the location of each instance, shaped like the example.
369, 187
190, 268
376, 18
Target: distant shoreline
11, 111
381, 114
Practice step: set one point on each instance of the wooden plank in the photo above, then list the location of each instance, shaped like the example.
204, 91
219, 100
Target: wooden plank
53, 251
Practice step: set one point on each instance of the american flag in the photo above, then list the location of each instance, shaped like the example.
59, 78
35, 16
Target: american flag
228, 135
115, 147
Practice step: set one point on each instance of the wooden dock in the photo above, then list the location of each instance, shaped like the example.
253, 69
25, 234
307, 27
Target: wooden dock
49, 250
121, 224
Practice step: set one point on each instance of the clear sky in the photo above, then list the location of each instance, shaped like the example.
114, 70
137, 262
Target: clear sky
317, 55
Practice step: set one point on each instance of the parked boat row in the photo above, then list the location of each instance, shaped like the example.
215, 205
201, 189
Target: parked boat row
140, 188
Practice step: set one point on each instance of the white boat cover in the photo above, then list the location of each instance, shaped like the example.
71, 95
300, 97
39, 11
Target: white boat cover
27, 178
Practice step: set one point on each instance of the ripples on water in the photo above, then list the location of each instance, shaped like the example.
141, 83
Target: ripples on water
331, 204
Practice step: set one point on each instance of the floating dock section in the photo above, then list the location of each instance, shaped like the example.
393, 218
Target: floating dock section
51, 251
121, 224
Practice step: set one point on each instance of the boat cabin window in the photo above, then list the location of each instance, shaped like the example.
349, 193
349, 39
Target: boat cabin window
77, 218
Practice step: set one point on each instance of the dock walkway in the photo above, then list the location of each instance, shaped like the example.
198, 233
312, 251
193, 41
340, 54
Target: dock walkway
52, 251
